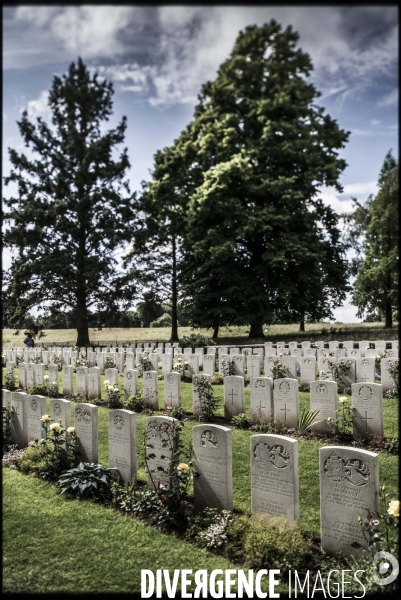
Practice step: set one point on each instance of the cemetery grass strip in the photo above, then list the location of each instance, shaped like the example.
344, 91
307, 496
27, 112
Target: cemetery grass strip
55, 545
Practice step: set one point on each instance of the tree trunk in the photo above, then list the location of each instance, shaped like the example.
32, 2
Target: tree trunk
257, 329
302, 323
215, 331
82, 326
174, 298
389, 315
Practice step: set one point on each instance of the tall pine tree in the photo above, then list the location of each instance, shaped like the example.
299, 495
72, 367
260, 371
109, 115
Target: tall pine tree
72, 208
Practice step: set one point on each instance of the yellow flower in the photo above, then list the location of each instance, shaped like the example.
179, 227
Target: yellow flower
110, 388
46, 377
329, 419
71, 430
322, 372
45, 418
343, 399
394, 508
183, 467
54, 382
55, 426
106, 382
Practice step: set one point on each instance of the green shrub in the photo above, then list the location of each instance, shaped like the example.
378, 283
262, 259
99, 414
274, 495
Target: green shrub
38, 389
87, 481
196, 340
163, 321
135, 403
240, 421
178, 413
270, 541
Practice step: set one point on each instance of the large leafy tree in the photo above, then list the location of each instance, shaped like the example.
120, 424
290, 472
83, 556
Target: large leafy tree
72, 208
258, 239
376, 283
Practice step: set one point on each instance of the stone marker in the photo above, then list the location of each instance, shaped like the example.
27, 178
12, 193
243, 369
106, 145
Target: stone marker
349, 483
82, 382
197, 408
275, 476
290, 363
39, 373
346, 372
309, 352
200, 352
187, 352
324, 395
234, 351
130, 382
111, 375
151, 389
392, 353
167, 362
270, 352
119, 358
208, 364
261, 399
60, 411
365, 370
323, 366
18, 408
68, 381
387, 380
193, 364
253, 365
86, 429
239, 364
292, 345
35, 410
269, 362
305, 345
172, 390
94, 390
154, 359
122, 443
224, 359
286, 402
367, 410
212, 460
307, 369
30, 375
354, 353
129, 361
333, 345
159, 436
234, 403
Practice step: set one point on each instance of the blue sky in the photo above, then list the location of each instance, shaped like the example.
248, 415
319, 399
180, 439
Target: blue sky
159, 56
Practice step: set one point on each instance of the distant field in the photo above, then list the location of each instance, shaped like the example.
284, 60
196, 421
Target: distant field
340, 331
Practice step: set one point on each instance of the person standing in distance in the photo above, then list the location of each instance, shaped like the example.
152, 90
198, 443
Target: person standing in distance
29, 341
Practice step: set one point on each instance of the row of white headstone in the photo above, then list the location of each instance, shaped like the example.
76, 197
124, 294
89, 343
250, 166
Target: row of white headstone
88, 378
349, 478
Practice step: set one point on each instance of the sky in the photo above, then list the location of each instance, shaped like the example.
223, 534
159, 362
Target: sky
158, 57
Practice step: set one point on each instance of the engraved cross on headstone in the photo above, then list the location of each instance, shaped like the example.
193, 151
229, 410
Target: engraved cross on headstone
366, 419
232, 396
285, 409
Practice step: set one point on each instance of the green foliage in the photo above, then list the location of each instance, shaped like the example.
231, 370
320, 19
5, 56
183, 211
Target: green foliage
9, 383
196, 340
87, 481
7, 432
269, 541
278, 371
207, 400
163, 321
136, 403
69, 194
376, 283
178, 413
306, 420
241, 421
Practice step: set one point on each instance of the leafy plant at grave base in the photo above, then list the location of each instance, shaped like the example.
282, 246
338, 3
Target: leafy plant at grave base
340, 370
87, 481
389, 444
208, 402
178, 412
393, 393
196, 340
80, 361
112, 395
215, 536
9, 382
380, 529
275, 427
49, 457
36, 360
144, 363
109, 363
240, 421
131, 499
258, 540
50, 390
7, 441
57, 359
227, 366
179, 366
217, 380
136, 403
11, 457
177, 475
278, 371
306, 420
341, 427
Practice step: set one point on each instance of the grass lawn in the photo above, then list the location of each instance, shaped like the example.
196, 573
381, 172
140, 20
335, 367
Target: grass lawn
51, 544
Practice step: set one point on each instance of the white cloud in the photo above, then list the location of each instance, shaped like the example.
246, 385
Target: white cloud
389, 99
39, 107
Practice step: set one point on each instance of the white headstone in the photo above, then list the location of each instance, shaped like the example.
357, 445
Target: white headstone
238, 362
130, 382
122, 443
367, 410
261, 399
269, 362
212, 453
365, 370
159, 437
349, 483
82, 382
172, 390
151, 389
86, 430
68, 381
290, 364
19, 425
200, 352
234, 403
35, 409
60, 411
253, 365
119, 358
94, 389
234, 351
111, 375
387, 380
154, 359
196, 404
324, 396
308, 369
193, 364
275, 476
286, 402
30, 375
167, 362
270, 352
208, 364
354, 353
129, 361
